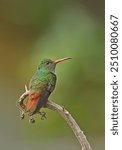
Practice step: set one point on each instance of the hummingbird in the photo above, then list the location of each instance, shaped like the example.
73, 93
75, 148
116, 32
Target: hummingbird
41, 86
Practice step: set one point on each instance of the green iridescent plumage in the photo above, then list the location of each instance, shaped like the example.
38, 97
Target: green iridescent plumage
42, 82
41, 86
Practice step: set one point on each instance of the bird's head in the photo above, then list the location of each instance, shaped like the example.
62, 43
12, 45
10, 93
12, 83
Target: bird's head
49, 64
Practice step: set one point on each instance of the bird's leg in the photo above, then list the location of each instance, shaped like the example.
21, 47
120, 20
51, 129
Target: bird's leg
43, 115
31, 119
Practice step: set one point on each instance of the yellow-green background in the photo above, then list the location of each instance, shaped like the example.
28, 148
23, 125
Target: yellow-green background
34, 29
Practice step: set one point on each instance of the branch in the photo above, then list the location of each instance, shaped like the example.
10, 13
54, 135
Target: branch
67, 117
72, 123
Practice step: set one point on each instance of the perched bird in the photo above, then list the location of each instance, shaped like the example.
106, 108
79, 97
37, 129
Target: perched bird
41, 86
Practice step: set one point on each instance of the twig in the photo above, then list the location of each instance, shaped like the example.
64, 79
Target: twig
72, 123
67, 117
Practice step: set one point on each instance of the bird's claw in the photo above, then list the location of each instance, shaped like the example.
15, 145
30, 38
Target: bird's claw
43, 115
31, 120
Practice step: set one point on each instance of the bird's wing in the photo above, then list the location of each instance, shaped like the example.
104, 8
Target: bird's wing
51, 82
39, 95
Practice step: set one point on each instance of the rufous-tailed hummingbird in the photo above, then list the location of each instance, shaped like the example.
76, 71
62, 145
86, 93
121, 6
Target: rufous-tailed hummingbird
41, 86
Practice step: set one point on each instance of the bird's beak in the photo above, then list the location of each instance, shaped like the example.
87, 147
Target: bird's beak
60, 60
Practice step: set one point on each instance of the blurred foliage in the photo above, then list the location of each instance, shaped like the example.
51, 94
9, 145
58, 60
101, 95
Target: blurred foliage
80, 84
32, 30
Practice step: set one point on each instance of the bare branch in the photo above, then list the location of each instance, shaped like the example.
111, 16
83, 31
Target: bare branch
72, 123
67, 117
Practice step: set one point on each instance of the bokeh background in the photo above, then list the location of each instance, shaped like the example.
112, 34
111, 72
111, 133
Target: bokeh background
34, 29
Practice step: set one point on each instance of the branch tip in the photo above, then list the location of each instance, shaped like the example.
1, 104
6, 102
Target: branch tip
26, 89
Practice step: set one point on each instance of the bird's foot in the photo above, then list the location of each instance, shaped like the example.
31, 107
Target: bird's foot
31, 120
43, 115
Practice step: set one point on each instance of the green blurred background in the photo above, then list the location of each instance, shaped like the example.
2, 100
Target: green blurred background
31, 30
